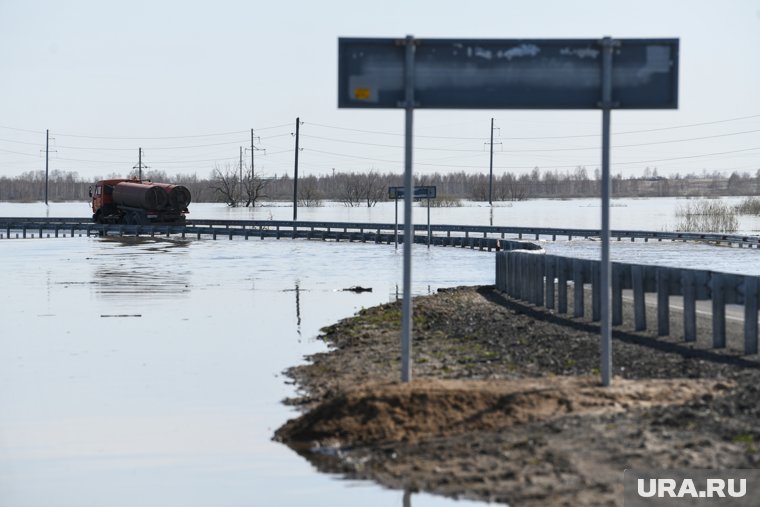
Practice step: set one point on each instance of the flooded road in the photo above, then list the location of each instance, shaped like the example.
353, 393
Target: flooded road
148, 372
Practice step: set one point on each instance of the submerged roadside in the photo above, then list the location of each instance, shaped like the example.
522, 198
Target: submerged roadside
505, 405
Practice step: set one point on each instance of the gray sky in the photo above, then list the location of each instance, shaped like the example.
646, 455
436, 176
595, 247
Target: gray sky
161, 74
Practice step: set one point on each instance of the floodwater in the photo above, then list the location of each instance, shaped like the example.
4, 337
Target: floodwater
149, 371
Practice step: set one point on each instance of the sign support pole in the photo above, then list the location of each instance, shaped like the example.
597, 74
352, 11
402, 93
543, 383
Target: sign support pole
605, 267
406, 314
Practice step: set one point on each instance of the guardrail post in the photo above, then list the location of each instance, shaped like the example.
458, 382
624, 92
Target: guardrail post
663, 302
502, 260
577, 288
688, 283
596, 292
539, 264
617, 294
639, 298
520, 272
562, 285
718, 310
497, 260
750, 314
550, 268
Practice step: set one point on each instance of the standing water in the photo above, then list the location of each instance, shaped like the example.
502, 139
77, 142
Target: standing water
149, 372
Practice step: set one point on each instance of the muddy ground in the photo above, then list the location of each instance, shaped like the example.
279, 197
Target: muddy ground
505, 406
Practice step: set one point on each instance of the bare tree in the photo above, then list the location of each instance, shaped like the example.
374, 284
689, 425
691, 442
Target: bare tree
225, 185
308, 192
372, 188
254, 187
348, 189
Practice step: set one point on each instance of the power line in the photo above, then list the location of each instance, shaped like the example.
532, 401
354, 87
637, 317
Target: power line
531, 150
553, 166
23, 130
170, 137
541, 137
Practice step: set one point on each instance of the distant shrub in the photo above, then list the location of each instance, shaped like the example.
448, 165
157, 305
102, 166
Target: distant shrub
706, 216
442, 201
749, 206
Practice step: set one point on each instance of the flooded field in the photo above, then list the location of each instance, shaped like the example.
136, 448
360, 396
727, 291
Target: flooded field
654, 214
148, 372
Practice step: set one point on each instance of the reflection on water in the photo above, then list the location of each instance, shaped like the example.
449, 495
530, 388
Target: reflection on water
129, 268
177, 407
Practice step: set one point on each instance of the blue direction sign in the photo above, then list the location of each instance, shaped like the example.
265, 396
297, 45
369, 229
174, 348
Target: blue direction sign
507, 73
420, 192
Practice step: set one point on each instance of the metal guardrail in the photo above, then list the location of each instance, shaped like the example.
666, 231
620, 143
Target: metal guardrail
450, 230
536, 277
378, 233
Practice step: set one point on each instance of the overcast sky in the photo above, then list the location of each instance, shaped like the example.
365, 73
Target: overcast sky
186, 81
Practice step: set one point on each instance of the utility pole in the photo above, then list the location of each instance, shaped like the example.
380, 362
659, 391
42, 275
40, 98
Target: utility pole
240, 185
252, 150
47, 158
490, 170
295, 175
139, 165
254, 190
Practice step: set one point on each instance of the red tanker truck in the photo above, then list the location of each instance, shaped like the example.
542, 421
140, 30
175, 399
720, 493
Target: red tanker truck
123, 201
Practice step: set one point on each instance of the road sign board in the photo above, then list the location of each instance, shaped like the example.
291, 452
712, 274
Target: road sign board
420, 192
507, 73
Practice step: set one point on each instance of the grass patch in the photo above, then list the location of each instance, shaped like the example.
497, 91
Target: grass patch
749, 206
706, 216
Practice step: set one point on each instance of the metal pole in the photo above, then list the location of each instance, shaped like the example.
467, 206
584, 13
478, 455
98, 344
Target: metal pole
252, 150
295, 176
396, 235
406, 314
47, 158
605, 268
139, 164
490, 174
240, 185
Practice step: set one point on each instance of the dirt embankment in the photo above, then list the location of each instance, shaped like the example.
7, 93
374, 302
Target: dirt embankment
505, 405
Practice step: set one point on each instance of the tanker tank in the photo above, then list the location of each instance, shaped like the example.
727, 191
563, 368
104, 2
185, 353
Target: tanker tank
140, 195
178, 195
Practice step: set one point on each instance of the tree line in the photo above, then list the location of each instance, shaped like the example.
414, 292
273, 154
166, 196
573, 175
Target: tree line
245, 188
